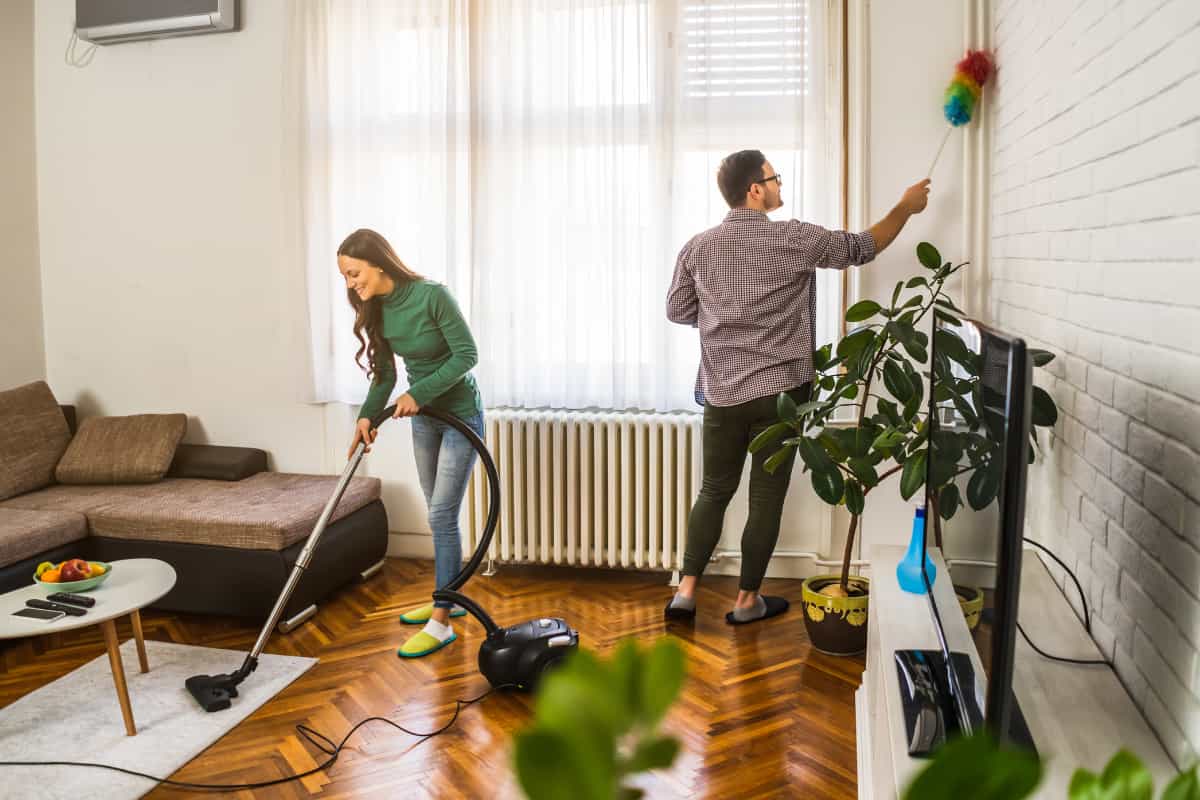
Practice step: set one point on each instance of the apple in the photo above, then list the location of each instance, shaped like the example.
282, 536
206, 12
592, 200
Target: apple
74, 570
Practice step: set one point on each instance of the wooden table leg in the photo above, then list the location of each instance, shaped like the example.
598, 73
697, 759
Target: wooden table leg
136, 619
118, 671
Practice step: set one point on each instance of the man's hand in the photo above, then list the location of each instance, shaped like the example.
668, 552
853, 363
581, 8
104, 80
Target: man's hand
406, 406
915, 197
913, 202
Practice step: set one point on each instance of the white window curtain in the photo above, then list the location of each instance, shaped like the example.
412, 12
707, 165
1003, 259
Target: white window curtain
546, 159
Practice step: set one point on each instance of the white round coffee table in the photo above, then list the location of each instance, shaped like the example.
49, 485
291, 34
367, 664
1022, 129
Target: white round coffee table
134, 584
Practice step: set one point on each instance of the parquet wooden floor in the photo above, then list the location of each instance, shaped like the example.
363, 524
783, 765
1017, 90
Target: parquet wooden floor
762, 715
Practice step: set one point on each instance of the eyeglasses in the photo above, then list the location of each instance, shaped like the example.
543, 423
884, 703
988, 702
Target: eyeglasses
777, 177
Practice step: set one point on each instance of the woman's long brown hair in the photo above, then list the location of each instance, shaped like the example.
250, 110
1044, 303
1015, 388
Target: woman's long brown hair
369, 246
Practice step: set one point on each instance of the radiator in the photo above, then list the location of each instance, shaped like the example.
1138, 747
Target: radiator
606, 489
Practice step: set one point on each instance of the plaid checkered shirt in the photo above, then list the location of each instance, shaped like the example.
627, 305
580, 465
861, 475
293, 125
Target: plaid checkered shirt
749, 285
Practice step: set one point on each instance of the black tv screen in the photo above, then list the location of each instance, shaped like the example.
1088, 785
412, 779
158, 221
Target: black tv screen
979, 418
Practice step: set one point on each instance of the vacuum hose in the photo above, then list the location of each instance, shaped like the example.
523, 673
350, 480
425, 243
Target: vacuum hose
449, 593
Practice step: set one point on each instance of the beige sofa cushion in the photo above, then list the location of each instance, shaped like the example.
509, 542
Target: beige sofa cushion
25, 533
80, 499
136, 449
33, 437
267, 511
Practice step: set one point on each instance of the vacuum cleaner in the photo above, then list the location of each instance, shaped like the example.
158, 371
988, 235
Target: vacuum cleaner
512, 657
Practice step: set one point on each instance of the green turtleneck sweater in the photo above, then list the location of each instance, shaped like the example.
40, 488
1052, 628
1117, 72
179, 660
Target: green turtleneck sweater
423, 326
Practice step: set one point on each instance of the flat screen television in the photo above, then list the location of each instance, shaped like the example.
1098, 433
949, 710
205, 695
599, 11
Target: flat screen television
978, 452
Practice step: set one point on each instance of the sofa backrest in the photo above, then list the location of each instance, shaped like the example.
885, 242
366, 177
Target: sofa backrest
33, 437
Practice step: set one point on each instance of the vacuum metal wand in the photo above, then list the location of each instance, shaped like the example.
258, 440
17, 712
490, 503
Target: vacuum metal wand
214, 692
306, 553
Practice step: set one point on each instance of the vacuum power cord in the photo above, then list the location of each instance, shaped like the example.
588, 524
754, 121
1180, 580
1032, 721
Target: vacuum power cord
318, 740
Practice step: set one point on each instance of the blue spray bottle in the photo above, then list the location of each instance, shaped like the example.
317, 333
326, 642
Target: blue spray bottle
908, 571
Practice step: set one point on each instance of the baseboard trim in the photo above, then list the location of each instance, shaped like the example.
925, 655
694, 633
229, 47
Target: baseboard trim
409, 545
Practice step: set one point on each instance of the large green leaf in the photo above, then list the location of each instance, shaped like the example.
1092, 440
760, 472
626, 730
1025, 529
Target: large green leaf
889, 410
822, 356
974, 767
814, 454
888, 439
547, 766
785, 406
655, 752
941, 468
984, 483
832, 443
770, 435
829, 485
1045, 413
912, 477
966, 411
949, 344
854, 343
915, 282
777, 458
945, 302
1040, 357
864, 470
855, 502
862, 310
1124, 778
915, 350
948, 501
1185, 786
928, 255
943, 316
897, 382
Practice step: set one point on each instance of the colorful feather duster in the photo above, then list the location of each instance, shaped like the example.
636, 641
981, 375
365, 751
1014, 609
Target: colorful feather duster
963, 93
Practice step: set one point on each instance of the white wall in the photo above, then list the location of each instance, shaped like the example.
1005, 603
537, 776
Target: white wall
22, 355
166, 207
913, 48
1096, 256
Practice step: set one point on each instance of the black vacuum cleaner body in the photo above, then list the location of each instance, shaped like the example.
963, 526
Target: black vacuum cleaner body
515, 656
519, 654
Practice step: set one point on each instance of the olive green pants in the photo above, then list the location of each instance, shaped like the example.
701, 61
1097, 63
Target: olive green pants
728, 431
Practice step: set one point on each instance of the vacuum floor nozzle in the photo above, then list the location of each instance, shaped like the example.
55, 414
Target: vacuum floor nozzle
213, 692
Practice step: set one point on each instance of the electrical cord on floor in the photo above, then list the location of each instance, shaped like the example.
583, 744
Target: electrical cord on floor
328, 747
1087, 619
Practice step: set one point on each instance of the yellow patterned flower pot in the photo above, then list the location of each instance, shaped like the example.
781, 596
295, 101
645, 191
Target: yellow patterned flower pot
836, 625
970, 600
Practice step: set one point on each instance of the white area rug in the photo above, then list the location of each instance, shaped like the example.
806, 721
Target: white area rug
78, 718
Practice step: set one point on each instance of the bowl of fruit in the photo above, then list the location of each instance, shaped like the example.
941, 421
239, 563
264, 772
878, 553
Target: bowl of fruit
72, 575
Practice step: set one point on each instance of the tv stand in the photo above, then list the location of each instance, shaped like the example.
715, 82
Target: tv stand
1080, 716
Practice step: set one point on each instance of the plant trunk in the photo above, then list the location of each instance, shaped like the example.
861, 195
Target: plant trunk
849, 552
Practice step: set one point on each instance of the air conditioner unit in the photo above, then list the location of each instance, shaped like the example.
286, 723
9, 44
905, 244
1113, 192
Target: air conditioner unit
113, 21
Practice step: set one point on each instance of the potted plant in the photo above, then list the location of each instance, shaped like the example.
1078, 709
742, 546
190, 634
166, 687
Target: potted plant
887, 434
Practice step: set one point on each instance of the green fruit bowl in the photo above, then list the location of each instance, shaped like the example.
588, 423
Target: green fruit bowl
76, 586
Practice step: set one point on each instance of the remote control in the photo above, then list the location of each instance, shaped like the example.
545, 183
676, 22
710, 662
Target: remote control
73, 599
74, 611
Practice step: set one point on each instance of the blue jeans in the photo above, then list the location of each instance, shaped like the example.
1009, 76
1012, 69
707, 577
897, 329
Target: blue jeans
444, 462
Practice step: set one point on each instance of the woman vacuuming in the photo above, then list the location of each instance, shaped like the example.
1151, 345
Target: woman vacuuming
417, 319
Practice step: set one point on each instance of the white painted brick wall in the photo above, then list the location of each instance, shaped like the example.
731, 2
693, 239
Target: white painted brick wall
1095, 235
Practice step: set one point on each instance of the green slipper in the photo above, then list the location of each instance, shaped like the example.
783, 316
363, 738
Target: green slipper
422, 645
419, 616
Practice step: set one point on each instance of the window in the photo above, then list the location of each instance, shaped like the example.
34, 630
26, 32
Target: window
547, 160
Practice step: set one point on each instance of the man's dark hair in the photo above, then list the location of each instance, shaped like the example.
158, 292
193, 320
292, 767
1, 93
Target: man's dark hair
738, 171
